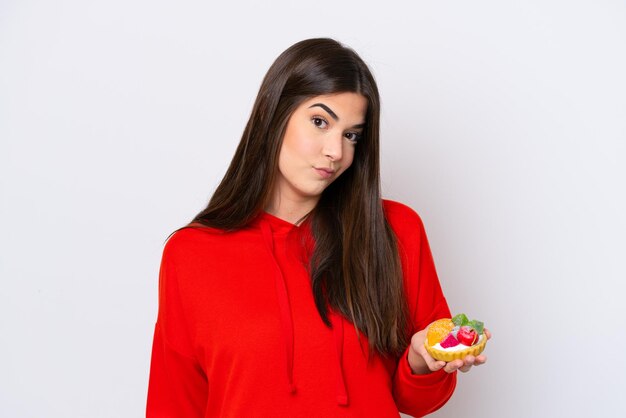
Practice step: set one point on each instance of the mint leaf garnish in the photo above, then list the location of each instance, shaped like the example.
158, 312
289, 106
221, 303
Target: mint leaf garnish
460, 320
477, 325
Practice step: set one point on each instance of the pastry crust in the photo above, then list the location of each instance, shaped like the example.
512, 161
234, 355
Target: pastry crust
454, 355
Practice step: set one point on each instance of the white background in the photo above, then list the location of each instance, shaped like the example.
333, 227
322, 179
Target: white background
503, 126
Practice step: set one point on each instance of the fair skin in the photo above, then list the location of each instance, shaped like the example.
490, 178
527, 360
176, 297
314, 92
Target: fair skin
318, 146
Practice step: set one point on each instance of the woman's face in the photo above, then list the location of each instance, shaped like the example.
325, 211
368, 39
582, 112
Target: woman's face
318, 146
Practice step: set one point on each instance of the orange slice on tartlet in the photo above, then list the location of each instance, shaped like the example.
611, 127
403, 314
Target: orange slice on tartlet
438, 330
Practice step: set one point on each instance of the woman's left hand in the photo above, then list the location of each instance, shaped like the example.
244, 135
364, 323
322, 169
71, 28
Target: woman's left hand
422, 363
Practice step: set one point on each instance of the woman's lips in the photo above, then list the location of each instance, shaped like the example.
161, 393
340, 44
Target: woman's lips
324, 172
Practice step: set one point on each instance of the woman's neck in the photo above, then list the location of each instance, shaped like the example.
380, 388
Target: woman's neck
292, 211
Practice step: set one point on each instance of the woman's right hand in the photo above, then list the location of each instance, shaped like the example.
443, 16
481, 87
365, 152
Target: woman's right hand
421, 362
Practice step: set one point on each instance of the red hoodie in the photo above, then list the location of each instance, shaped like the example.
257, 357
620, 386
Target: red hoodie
238, 333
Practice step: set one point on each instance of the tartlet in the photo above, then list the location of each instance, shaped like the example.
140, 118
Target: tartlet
445, 332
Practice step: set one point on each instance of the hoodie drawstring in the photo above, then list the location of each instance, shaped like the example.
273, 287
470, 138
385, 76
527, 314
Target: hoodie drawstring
342, 393
283, 305
286, 320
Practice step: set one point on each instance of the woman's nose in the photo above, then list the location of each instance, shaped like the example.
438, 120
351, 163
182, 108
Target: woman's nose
333, 147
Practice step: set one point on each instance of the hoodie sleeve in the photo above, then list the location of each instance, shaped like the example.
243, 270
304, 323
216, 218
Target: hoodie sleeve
177, 385
418, 395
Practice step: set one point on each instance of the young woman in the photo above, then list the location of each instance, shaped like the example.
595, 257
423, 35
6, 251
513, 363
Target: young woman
298, 291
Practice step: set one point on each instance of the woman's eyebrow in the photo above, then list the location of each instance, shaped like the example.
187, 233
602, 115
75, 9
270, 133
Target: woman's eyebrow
333, 114
327, 109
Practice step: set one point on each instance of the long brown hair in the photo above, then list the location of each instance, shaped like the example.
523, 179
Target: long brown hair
355, 267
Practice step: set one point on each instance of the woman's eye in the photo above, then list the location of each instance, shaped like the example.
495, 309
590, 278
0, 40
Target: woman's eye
353, 136
319, 122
